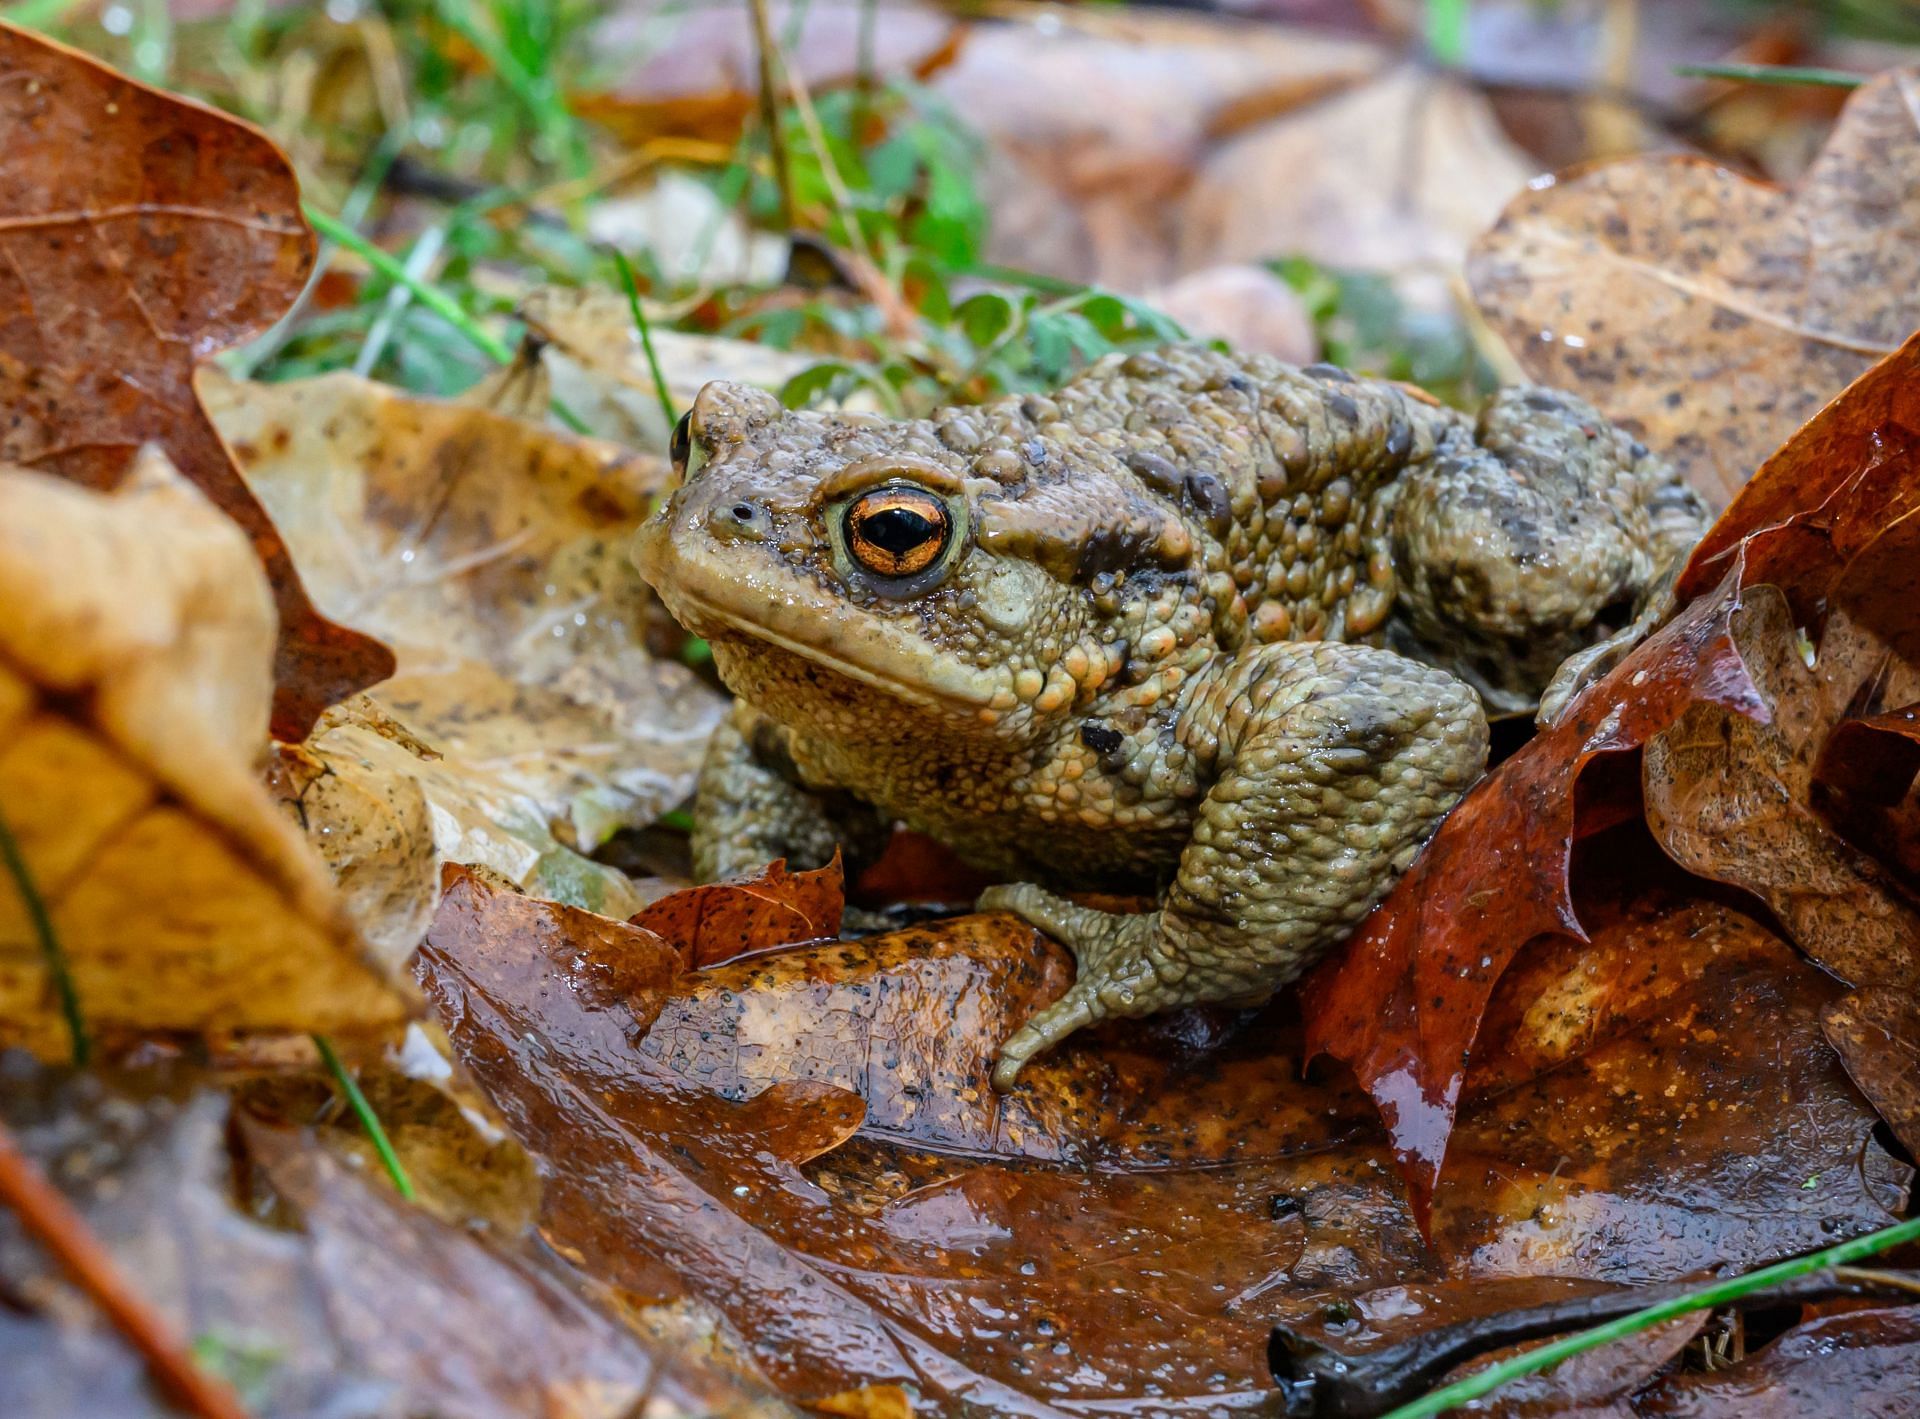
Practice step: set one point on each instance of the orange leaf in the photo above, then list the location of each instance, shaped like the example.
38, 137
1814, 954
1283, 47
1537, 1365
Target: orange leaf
723, 920
142, 233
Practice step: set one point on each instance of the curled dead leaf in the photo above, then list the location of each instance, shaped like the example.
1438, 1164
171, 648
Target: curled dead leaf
136, 643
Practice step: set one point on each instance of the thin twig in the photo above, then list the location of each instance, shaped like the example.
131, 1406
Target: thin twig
369, 1120
770, 110
646, 337
50, 948
53, 1222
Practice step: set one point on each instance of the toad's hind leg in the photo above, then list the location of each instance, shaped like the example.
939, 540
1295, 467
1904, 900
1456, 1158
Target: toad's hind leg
1534, 555
1328, 766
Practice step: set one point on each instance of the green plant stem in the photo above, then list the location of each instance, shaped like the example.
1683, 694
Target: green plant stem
1773, 74
42, 919
1546, 1356
432, 297
646, 337
1447, 31
770, 110
369, 1120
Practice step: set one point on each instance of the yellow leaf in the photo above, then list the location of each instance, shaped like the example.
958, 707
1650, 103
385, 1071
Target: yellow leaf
136, 652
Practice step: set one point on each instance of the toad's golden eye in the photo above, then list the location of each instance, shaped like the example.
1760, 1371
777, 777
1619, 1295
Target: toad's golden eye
897, 531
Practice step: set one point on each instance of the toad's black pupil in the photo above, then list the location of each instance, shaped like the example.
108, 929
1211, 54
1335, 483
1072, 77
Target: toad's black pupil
897, 530
681, 444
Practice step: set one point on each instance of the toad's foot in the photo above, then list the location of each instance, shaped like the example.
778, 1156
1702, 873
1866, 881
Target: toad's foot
1127, 968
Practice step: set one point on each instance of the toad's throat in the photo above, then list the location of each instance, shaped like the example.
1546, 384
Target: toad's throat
955, 689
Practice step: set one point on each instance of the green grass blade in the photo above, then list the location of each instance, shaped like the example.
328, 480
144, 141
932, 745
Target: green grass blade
1773, 74
1447, 31
646, 338
1705, 1298
42, 920
369, 1120
430, 296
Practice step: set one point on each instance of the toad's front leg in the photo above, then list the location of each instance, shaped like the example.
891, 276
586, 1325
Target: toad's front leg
1328, 766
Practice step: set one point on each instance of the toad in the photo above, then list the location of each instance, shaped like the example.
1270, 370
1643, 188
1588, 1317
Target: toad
1201, 625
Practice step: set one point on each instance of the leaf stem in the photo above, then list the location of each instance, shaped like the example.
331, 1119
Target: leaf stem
50, 947
369, 1120
646, 337
1705, 1298
1773, 74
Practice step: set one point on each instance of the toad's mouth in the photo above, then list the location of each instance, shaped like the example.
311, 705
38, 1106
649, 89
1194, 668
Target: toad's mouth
781, 611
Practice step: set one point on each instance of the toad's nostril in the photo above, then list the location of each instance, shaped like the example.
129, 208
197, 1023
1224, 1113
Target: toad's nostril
738, 520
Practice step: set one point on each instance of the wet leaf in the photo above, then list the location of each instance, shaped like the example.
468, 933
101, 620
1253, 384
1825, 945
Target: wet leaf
492, 554
1122, 1231
136, 644
716, 922
143, 233
1876, 1033
1842, 1366
1731, 798
1712, 314
1402, 1003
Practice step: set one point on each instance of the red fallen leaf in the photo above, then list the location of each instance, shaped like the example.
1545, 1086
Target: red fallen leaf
1827, 492
1403, 1002
142, 233
913, 867
723, 920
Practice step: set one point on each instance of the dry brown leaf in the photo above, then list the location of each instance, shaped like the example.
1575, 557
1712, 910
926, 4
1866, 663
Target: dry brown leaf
1712, 314
492, 554
142, 233
698, 74
136, 650
1730, 797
